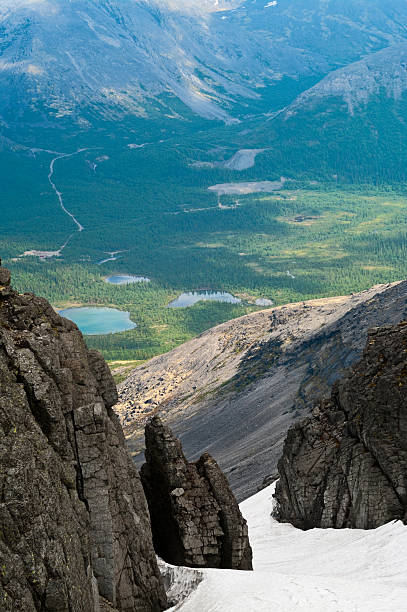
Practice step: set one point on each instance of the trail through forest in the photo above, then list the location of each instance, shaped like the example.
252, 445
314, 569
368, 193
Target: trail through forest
58, 193
80, 228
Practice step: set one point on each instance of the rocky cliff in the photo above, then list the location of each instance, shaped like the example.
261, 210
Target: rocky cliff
236, 389
346, 466
74, 519
194, 515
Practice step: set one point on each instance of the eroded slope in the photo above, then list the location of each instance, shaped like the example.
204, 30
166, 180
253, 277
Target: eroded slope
237, 388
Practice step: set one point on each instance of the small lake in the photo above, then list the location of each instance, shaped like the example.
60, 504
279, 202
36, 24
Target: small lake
94, 321
192, 297
125, 279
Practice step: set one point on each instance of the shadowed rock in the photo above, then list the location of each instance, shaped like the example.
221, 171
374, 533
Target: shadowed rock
195, 518
346, 466
75, 531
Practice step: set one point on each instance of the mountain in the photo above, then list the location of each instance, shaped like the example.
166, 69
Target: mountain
155, 50
250, 149
215, 56
237, 388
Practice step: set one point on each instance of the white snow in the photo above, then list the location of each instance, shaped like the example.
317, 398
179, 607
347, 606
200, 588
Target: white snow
321, 570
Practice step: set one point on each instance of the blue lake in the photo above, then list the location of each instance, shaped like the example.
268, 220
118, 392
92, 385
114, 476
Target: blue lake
125, 279
94, 321
192, 297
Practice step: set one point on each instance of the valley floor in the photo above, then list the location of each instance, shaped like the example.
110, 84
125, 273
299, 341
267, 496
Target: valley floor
321, 570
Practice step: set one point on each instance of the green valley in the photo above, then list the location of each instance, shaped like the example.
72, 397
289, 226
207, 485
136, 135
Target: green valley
151, 204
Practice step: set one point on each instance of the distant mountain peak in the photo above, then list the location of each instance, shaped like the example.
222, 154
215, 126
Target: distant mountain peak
384, 71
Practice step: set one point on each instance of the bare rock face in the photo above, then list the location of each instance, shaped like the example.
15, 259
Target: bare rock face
195, 518
346, 466
75, 532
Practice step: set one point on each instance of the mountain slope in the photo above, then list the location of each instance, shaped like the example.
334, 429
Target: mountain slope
337, 30
383, 72
235, 390
215, 57
153, 49
351, 125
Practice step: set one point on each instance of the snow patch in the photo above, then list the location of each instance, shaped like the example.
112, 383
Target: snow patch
323, 570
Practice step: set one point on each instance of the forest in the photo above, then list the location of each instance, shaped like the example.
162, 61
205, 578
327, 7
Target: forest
336, 226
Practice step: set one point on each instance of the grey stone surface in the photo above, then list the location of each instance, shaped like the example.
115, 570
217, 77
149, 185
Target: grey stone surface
195, 518
346, 466
74, 519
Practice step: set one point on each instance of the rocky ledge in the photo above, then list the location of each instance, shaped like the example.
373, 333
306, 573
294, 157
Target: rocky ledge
75, 530
346, 466
195, 518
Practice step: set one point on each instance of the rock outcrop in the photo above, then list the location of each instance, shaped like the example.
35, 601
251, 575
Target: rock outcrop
195, 518
346, 466
75, 532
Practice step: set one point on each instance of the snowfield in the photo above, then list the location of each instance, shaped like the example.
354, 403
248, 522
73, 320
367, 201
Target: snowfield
321, 570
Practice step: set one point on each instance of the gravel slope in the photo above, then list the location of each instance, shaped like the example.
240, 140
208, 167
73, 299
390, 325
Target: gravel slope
235, 389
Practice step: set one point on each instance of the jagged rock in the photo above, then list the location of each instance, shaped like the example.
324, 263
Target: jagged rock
346, 466
74, 519
195, 518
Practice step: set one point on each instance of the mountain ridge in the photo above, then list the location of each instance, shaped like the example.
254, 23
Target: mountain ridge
157, 47
357, 83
